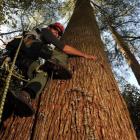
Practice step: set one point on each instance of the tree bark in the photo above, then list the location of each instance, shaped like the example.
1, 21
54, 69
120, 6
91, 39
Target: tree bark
89, 106
125, 51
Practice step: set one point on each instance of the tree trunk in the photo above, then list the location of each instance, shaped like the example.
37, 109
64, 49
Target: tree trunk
89, 106
124, 49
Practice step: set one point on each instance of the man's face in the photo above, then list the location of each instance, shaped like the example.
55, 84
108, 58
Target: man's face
55, 32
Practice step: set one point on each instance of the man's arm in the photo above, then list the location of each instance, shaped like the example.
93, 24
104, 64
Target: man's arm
47, 36
73, 51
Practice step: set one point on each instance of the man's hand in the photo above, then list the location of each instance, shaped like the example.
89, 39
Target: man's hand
92, 57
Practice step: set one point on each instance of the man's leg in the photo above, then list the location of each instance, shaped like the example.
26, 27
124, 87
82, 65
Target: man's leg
32, 89
36, 85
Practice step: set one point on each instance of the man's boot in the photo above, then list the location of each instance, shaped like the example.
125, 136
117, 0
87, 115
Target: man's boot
23, 104
59, 70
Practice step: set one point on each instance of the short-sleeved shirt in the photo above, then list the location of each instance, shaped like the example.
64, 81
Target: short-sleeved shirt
48, 38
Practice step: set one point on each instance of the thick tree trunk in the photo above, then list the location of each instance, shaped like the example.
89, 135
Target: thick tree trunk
89, 106
124, 49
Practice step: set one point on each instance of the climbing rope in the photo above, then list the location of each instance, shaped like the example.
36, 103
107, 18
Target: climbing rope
19, 76
5, 65
8, 80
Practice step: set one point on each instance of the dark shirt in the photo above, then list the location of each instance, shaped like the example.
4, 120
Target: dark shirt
45, 35
28, 54
48, 38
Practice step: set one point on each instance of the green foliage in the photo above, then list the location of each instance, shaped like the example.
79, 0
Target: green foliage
66, 9
1, 11
132, 97
30, 13
26, 15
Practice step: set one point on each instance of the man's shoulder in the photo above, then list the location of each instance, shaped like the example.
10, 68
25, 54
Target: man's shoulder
45, 30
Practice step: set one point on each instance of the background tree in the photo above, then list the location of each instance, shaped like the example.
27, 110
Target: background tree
132, 97
124, 49
119, 14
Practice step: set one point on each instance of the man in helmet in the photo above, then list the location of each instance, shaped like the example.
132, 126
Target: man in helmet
57, 30
35, 46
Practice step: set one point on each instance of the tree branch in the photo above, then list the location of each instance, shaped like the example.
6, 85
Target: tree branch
2, 41
10, 32
132, 37
129, 21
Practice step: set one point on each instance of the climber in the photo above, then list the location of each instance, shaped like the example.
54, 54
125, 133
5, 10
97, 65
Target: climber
39, 44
